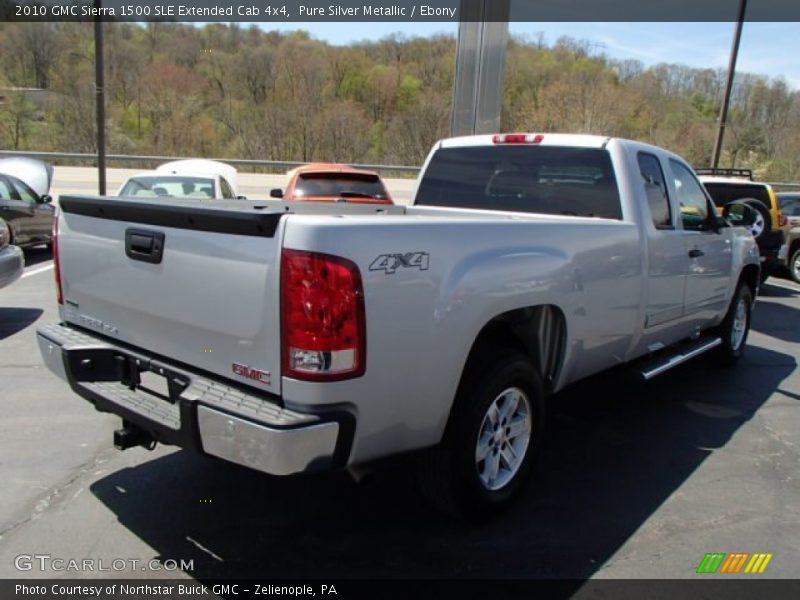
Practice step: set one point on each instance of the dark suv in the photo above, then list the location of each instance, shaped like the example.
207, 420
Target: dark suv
736, 186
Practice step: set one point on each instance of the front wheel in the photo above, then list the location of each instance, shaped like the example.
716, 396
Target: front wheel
736, 326
794, 266
494, 432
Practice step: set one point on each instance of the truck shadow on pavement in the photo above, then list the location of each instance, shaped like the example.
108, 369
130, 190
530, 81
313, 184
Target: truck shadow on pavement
37, 255
14, 320
615, 452
780, 320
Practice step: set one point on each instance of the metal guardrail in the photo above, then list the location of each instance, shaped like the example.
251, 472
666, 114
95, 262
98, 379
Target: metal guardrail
236, 162
242, 162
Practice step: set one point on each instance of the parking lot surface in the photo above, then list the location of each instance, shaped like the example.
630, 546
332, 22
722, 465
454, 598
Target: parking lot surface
636, 481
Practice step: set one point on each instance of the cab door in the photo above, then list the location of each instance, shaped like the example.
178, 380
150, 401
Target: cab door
667, 262
708, 249
17, 213
40, 224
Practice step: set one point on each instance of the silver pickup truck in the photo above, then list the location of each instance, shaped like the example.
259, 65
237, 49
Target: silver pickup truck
299, 337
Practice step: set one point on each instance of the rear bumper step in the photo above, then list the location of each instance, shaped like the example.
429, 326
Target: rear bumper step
197, 412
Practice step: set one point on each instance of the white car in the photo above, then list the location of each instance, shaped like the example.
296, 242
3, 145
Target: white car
194, 178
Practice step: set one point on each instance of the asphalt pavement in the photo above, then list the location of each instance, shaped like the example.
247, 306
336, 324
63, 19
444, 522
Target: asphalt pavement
636, 480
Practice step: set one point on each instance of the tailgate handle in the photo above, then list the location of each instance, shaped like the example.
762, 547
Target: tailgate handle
144, 245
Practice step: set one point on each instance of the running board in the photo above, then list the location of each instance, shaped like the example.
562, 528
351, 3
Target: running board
660, 364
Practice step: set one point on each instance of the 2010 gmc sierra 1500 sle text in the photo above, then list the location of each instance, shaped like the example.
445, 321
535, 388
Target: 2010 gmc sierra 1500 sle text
300, 337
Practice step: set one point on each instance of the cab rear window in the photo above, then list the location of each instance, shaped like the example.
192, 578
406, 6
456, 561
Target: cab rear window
533, 179
340, 184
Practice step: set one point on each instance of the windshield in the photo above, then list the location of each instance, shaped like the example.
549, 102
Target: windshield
524, 178
337, 184
152, 186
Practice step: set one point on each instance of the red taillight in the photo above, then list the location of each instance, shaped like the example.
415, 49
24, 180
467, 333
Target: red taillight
324, 332
782, 220
517, 138
56, 261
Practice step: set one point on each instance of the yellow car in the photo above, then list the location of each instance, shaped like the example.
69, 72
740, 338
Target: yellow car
726, 186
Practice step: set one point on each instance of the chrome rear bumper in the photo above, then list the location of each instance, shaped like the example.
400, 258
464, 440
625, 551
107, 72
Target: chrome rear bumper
200, 413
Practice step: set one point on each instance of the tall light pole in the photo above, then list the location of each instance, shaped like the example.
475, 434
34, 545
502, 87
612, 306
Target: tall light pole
723, 113
100, 97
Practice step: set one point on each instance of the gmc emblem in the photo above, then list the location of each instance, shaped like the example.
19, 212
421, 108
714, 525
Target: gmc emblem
254, 374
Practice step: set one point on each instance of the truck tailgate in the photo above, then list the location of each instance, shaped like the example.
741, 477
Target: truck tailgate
193, 281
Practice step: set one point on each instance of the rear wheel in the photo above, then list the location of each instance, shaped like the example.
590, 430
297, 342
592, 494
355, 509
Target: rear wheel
494, 432
794, 266
736, 326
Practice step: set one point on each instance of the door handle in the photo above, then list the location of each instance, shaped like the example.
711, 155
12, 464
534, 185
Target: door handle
143, 245
696, 253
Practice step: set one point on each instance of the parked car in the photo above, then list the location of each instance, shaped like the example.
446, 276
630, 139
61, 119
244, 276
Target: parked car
194, 178
334, 335
736, 186
790, 206
25, 202
330, 182
12, 260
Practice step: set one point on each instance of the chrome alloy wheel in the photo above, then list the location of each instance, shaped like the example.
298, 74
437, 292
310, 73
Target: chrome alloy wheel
503, 438
757, 228
795, 266
739, 325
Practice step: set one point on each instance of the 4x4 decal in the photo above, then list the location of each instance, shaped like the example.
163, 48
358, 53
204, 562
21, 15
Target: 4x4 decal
389, 263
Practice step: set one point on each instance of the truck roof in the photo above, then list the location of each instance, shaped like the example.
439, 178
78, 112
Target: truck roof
327, 168
730, 180
542, 139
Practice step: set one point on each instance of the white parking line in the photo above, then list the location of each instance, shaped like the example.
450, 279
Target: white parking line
35, 271
783, 284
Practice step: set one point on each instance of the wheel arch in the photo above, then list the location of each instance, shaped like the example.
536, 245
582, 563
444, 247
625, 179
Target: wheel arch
793, 247
750, 277
538, 332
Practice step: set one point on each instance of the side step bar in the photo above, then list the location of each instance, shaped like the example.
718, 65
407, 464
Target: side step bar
655, 366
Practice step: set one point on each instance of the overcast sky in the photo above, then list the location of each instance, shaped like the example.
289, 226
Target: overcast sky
764, 47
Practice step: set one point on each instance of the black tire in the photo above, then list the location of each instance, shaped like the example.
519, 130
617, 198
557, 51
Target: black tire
449, 473
794, 266
732, 346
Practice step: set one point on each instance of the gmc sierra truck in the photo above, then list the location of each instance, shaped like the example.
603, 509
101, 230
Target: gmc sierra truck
292, 337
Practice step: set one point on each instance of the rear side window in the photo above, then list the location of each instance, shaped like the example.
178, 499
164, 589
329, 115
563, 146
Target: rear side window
790, 205
722, 193
347, 185
656, 190
534, 179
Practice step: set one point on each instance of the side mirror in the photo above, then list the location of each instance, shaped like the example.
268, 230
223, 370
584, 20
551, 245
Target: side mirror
276, 193
739, 214
46, 199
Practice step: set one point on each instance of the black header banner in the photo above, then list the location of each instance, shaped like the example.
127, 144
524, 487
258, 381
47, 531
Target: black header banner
266, 11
